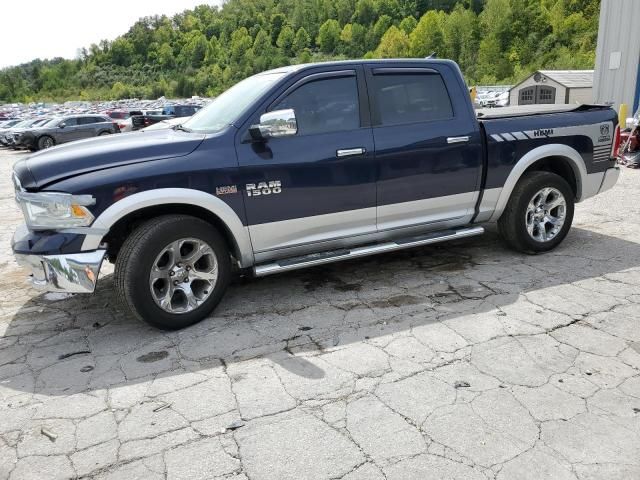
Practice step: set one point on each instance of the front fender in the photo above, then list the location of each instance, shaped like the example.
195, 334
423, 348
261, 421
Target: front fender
551, 150
166, 196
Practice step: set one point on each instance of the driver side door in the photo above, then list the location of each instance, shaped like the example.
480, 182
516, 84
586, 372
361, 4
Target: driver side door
315, 189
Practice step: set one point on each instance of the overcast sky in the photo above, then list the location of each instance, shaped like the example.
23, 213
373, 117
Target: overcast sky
47, 29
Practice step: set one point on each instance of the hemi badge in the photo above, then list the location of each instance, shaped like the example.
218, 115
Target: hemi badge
226, 189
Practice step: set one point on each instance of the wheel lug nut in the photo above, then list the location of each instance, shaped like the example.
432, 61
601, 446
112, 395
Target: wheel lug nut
171, 274
188, 268
176, 282
186, 280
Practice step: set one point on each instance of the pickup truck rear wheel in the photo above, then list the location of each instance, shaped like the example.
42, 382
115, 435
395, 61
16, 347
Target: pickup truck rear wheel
539, 213
172, 271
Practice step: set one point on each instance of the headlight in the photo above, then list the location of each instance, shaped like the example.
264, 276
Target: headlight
44, 211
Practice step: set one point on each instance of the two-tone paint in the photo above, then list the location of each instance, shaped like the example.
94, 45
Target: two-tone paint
409, 178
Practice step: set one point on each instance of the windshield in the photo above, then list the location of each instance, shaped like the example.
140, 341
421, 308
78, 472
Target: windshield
227, 107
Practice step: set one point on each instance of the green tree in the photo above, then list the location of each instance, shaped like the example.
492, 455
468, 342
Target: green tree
408, 24
394, 44
365, 13
286, 40
329, 36
301, 42
278, 21
375, 34
428, 36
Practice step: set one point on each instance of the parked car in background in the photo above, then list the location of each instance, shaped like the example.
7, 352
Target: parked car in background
117, 114
16, 141
6, 126
67, 129
162, 124
7, 138
126, 124
168, 111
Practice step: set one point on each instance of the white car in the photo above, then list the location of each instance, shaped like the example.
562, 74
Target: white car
162, 124
126, 125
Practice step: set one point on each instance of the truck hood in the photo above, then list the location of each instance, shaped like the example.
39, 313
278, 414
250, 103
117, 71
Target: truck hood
68, 160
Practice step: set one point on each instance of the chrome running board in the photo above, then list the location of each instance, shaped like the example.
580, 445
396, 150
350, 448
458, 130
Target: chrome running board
345, 254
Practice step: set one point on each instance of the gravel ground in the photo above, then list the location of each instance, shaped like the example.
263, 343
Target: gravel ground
457, 361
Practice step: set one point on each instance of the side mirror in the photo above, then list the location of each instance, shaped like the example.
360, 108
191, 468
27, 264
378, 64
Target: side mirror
279, 123
62, 125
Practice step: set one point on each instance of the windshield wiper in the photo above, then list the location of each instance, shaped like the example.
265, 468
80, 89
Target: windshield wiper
180, 127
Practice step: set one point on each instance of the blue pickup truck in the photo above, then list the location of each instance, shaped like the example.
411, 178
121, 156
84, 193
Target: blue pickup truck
302, 166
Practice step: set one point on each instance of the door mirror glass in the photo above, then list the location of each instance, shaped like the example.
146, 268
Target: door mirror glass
279, 123
62, 125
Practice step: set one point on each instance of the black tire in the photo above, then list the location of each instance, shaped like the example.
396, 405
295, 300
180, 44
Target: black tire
106, 132
140, 250
512, 223
45, 142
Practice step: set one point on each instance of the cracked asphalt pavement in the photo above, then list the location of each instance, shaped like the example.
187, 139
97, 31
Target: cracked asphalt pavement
455, 361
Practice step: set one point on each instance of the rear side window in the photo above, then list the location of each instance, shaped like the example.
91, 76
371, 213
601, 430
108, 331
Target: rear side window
323, 106
86, 120
410, 98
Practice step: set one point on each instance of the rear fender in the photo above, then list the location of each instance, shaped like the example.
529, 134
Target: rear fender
586, 187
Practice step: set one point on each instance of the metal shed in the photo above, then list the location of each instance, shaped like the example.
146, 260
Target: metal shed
617, 77
554, 87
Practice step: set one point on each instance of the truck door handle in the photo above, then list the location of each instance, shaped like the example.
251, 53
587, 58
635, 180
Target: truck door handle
347, 152
458, 139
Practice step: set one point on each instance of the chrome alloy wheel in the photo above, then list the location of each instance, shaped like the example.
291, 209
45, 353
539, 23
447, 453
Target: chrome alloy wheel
546, 213
47, 143
183, 275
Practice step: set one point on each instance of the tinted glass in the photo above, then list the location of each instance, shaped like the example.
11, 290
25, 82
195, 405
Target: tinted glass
323, 106
411, 98
71, 122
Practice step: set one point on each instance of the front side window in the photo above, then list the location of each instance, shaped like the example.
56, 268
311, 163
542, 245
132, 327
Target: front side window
325, 105
70, 122
410, 98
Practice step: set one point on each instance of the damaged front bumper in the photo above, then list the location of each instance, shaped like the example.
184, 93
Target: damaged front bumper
70, 273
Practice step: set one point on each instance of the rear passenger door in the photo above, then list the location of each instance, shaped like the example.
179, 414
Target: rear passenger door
87, 127
428, 146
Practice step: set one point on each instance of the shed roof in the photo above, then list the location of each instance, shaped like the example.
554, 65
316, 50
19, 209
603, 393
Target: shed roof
570, 78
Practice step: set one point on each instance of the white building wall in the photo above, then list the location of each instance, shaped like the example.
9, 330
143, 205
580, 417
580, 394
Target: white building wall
618, 52
580, 95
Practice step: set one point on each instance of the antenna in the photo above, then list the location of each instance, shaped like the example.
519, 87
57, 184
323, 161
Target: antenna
432, 55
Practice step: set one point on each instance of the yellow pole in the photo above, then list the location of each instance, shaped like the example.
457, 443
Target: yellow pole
622, 116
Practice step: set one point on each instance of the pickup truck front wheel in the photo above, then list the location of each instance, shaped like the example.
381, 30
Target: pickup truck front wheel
539, 213
172, 271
